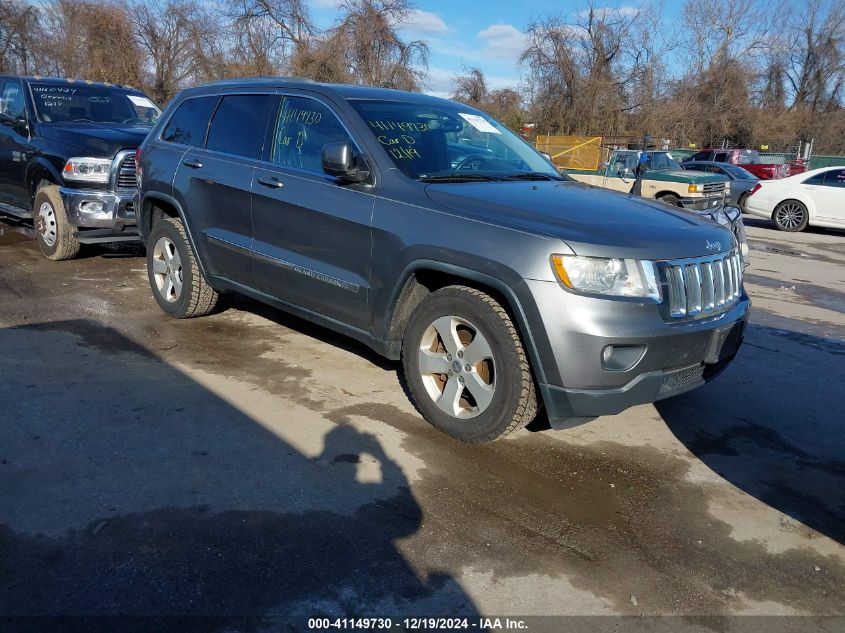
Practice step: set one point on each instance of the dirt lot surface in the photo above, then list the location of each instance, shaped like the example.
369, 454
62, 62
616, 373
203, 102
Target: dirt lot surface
248, 463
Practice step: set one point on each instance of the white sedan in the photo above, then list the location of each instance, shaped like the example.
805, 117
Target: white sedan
815, 197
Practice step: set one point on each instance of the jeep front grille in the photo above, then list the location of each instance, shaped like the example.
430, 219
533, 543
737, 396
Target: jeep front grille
703, 286
126, 173
714, 187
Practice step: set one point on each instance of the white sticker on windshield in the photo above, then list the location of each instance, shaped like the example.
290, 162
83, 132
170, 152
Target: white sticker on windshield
142, 102
479, 123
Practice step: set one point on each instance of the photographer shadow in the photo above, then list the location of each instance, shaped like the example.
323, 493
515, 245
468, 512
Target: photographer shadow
131, 490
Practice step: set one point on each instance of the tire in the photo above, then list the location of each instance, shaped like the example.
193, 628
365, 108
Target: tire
741, 202
56, 237
178, 284
497, 395
791, 216
671, 199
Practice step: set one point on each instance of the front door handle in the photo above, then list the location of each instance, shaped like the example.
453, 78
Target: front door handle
193, 164
273, 183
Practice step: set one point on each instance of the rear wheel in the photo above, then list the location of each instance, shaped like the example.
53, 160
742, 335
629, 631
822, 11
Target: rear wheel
791, 216
178, 285
741, 202
465, 366
56, 237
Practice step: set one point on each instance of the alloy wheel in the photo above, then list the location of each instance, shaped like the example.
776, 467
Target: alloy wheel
790, 215
167, 269
457, 367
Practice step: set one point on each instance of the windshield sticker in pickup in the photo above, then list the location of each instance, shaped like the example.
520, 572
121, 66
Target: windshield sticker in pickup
479, 123
142, 102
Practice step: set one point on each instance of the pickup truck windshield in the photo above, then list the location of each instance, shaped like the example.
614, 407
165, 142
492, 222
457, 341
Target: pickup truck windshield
67, 102
626, 162
451, 143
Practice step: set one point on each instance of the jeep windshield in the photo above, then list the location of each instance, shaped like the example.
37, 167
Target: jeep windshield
451, 143
81, 102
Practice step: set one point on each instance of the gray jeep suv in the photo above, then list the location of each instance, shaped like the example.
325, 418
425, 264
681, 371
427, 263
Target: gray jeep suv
433, 234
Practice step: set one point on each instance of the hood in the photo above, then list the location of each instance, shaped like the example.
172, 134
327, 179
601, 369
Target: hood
591, 220
684, 175
99, 140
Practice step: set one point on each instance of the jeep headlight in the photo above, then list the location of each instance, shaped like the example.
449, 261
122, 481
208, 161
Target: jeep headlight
87, 170
612, 277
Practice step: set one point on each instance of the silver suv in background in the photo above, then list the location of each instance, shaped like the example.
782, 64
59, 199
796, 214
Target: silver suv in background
436, 236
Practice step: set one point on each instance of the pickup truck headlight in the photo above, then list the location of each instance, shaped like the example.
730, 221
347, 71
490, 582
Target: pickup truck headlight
610, 277
693, 188
87, 170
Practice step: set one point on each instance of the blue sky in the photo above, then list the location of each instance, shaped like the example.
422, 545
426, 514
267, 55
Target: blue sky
486, 33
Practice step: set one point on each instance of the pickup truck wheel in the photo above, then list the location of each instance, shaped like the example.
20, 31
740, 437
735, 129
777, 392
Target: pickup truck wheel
670, 199
56, 237
791, 216
177, 283
465, 366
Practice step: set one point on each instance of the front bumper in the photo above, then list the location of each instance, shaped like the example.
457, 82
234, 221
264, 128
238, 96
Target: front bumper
669, 358
94, 209
703, 203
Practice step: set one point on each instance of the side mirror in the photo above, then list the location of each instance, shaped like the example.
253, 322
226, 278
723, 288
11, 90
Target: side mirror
339, 160
547, 156
19, 123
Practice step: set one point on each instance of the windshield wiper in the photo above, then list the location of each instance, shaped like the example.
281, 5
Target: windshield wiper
459, 178
531, 175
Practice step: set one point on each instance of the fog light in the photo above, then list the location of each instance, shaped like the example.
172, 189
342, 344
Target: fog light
91, 206
621, 357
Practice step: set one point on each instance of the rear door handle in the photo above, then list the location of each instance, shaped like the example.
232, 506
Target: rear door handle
193, 164
273, 183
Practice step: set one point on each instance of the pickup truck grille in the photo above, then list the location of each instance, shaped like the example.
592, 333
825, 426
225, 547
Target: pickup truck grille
714, 187
703, 286
126, 178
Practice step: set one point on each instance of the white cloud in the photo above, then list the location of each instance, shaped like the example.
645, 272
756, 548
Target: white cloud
424, 22
502, 41
441, 81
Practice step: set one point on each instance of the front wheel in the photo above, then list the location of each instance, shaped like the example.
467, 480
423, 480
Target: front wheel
791, 216
56, 237
178, 285
466, 368
675, 201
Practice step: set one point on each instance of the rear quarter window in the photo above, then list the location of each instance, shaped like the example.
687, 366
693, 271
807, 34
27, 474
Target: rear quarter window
189, 123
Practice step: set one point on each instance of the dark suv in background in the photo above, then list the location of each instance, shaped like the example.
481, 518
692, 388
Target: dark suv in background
434, 234
67, 159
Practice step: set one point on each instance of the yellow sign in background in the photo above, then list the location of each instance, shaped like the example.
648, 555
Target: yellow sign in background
571, 152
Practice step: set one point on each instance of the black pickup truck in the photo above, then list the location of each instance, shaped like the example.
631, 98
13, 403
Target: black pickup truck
67, 159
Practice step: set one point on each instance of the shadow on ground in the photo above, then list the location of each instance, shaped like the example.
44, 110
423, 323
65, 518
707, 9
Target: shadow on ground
127, 488
772, 425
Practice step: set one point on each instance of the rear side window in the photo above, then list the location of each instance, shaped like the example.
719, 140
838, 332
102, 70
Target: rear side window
721, 157
818, 179
239, 125
188, 124
835, 178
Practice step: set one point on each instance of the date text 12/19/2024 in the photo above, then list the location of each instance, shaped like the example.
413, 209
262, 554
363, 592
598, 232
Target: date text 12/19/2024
419, 624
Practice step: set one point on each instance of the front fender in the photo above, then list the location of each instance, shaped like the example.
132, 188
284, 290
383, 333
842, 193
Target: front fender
515, 293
